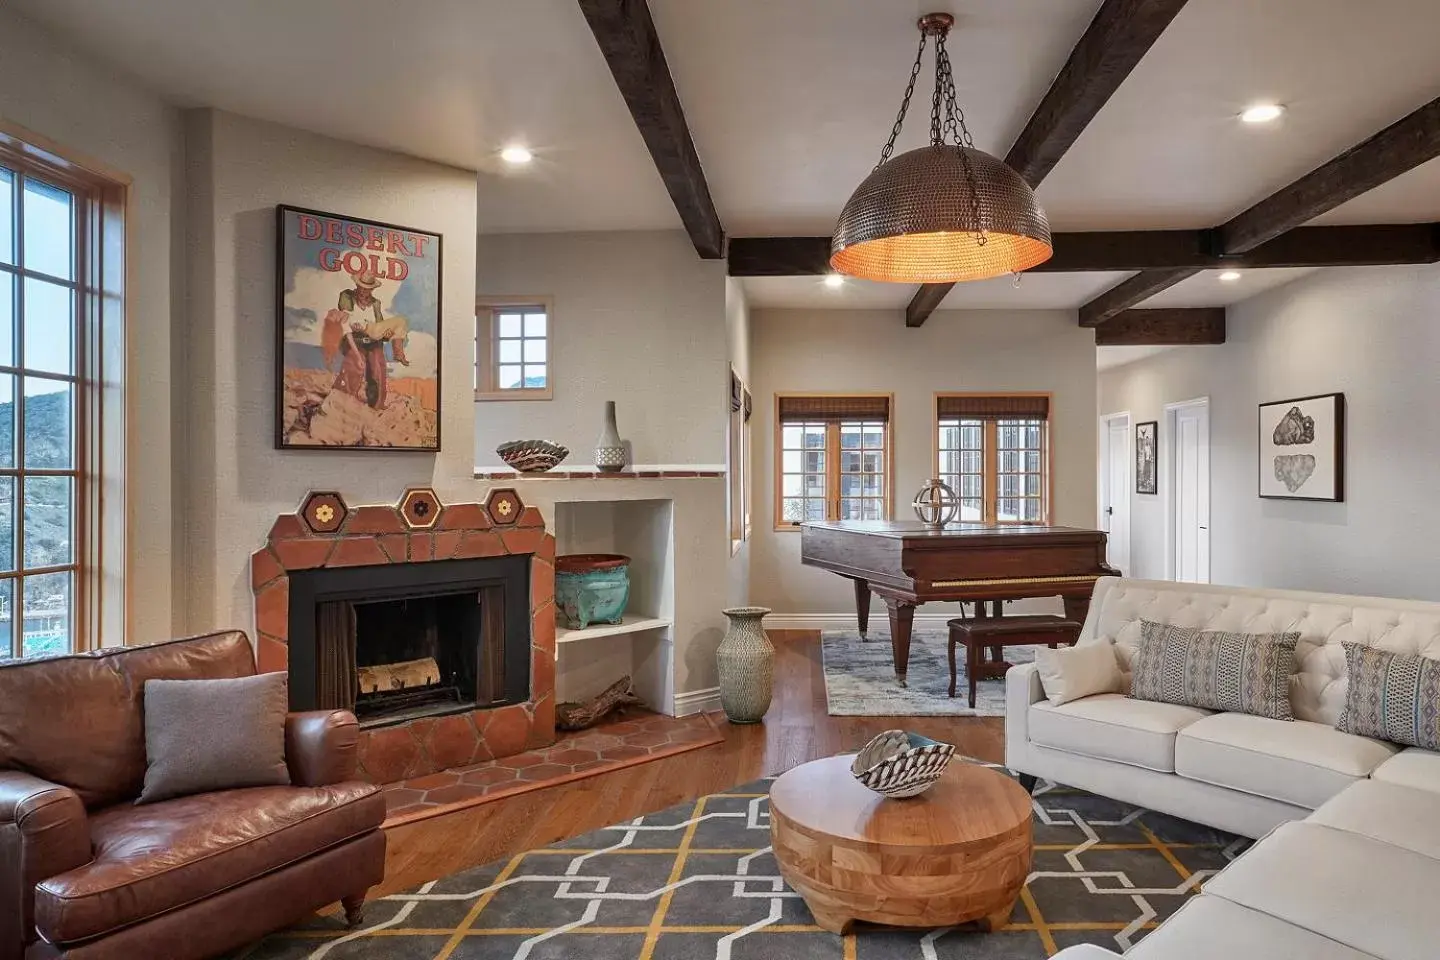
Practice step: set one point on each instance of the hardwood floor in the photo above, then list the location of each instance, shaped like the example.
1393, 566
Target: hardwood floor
795, 730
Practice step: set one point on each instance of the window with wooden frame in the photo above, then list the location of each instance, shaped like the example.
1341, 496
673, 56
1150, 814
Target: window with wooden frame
513, 355
61, 237
994, 451
833, 458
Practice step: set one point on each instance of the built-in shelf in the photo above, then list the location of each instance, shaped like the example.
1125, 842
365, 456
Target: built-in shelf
627, 624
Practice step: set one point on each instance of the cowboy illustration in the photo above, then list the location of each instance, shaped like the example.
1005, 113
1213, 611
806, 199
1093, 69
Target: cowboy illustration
356, 332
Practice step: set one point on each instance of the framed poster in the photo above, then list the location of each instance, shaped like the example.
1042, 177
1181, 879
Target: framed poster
358, 334
1302, 448
1147, 460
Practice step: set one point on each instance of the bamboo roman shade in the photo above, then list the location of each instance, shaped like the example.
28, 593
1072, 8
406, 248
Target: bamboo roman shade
833, 409
994, 408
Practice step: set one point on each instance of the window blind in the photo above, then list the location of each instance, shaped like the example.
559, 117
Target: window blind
994, 408
833, 409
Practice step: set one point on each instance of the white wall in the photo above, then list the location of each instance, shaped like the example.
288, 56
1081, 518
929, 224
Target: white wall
236, 481
863, 350
737, 335
100, 114
1372, 333
639, 319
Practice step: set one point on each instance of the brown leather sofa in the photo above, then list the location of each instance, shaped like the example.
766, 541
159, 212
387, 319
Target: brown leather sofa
86, 874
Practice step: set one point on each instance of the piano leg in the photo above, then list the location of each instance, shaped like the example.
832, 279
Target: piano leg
902, 617
1076, 608
862, 606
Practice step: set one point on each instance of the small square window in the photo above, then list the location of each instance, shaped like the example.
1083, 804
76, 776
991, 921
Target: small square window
512, 350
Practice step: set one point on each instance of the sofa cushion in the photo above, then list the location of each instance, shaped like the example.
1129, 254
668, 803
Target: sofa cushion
1213, 928
1371, 896
1402, 816
1392, 696
1111, 726
1412, 767
1293, 761
156, 857
1069, 673
1214, 669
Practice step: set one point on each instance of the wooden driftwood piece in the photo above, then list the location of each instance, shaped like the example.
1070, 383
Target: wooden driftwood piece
578, 716
405, 675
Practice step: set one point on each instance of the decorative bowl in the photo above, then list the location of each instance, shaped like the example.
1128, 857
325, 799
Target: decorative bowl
592, 588
898, 764
532, 456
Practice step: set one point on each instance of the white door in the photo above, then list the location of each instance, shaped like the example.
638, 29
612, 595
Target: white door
1116, 470
1190, 496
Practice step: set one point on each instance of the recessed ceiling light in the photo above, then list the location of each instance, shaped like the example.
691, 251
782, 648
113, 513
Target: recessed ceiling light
834, 281
1229, 276
516, 155
1262, 113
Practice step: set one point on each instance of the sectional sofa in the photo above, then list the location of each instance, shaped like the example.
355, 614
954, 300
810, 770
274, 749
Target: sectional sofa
1350, 855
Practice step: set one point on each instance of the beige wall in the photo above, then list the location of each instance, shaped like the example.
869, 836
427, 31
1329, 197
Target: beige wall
737, 335
1369, 332
236, 481
93, 111
838, 350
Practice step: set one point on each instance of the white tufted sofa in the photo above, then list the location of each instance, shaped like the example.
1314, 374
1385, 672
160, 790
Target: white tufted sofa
1355, 877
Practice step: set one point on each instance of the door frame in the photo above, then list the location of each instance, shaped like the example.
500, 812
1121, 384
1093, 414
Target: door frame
1103, 480
1167, 479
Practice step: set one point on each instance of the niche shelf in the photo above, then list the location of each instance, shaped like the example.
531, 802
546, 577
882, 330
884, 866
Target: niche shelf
627, 624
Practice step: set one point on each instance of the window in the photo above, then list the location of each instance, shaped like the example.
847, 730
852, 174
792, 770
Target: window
833, 458
512, 350
52, 223
994, 452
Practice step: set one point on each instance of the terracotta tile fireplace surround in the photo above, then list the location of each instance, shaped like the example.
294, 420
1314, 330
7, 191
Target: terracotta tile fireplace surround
475, 560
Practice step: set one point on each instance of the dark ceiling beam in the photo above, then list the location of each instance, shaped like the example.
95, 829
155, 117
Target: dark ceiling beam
1116, 40
626, 35
924, 303
1128, 293
1172, 327
1341, 246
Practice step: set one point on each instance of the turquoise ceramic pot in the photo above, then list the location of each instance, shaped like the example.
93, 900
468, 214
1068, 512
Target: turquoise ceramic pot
592, 588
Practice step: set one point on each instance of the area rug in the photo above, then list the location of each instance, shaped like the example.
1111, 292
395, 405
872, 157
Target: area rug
697, 881
860, 676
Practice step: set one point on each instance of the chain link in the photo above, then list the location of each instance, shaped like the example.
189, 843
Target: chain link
904, 104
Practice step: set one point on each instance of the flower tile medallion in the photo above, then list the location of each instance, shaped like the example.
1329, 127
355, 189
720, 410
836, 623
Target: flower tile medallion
324, 512
504, 507
421, 508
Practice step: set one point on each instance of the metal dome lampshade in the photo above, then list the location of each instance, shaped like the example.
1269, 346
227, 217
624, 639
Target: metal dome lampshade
943, 213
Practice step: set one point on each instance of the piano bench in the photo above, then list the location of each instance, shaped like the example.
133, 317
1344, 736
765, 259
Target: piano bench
979, 633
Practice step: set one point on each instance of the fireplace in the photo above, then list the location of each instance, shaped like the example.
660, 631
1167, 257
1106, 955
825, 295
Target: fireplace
396, 642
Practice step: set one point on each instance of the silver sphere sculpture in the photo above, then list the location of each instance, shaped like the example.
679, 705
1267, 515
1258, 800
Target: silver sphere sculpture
936, 504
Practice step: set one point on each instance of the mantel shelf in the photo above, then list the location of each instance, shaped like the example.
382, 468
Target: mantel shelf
628, 624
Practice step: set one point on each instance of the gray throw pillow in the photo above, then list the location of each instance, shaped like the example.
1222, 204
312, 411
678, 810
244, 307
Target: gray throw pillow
1392, 696
1214, 670
204, 735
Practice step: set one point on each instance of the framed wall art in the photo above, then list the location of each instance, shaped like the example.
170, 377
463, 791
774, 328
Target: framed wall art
358, 334
1147, 457
1302, 448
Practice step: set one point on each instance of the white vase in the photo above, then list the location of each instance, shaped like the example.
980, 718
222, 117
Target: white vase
610, 449
746, 663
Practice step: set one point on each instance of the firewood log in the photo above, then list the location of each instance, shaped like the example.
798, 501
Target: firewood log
405, 675
578, 716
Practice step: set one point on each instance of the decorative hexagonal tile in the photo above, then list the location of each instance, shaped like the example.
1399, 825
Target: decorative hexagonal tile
504, 507
420, 508
324, 511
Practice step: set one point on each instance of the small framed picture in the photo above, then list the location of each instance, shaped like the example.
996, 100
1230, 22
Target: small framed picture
1147, 457
1302, 448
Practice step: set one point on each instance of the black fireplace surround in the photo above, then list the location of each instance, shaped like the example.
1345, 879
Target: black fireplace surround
471, 617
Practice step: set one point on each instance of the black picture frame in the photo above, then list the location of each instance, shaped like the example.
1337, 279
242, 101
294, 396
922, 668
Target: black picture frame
1282, 432
1147, 457
396, 243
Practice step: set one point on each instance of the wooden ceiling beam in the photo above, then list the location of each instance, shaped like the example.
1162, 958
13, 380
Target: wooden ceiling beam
627, 38
1116, 40
1128, 293
1170, 327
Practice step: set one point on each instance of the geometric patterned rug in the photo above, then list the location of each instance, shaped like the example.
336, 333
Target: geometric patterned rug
697, 881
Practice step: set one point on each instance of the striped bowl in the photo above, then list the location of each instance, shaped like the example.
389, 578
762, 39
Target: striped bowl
532, 456
899, 764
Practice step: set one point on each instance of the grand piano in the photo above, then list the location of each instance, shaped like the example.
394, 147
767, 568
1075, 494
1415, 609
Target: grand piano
908, 563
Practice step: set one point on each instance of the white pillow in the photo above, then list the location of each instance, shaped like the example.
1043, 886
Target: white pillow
1070, 673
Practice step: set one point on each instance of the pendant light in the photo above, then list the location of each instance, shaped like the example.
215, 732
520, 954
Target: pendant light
943, 213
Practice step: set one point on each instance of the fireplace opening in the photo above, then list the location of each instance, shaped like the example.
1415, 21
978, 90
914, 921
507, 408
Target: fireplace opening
397, 642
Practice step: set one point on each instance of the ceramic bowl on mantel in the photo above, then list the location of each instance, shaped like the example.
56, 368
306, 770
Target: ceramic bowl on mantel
898, 764
532, 456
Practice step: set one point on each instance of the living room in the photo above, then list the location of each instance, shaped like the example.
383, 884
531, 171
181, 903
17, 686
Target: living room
458, 478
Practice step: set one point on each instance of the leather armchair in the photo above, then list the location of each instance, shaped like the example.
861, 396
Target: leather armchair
88, 875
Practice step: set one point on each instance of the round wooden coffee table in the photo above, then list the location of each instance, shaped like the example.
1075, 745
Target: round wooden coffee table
956, 853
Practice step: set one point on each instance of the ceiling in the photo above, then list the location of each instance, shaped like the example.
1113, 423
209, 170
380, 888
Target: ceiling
789, 103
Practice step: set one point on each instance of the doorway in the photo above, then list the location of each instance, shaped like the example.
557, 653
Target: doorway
1187, 487
1116, 469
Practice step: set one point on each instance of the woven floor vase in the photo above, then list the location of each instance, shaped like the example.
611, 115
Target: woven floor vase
746, 660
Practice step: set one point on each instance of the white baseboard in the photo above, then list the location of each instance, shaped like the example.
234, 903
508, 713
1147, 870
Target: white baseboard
842, 621
697, 701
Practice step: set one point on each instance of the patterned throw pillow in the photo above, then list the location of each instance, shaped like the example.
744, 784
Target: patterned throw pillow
1214, 670
1392, 696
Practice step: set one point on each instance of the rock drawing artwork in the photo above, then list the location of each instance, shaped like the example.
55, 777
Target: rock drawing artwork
1294, 428
1293, 469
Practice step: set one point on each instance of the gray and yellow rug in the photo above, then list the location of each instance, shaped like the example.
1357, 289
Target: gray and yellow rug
697, 881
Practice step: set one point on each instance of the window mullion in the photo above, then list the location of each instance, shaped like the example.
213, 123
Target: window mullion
990, 460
